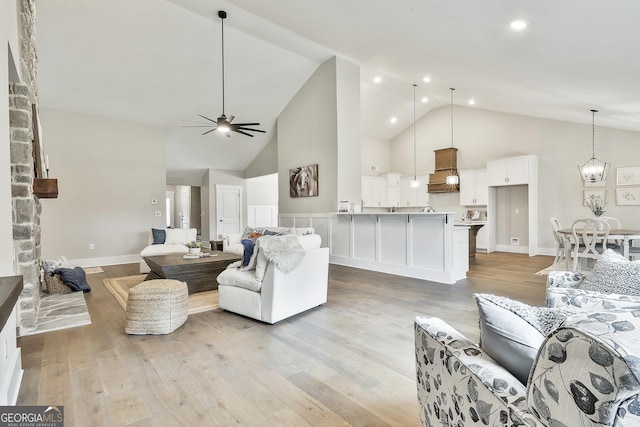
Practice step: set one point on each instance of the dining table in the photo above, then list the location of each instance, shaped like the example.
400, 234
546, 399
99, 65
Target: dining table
624, 235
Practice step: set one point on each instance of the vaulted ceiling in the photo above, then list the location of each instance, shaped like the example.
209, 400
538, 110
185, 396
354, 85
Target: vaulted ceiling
158, 61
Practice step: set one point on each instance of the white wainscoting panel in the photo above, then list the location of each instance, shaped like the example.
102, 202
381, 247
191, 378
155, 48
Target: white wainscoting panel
340, 242
262, 216
364, 237
393, 239
427, 246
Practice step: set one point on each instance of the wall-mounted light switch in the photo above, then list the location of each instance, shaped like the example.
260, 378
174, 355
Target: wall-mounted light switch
158, 213
154, 201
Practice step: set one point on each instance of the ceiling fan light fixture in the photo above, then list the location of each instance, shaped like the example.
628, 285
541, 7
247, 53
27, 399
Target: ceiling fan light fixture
223, 124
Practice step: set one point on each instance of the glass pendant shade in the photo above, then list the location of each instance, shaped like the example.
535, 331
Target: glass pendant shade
593, 170
414, 183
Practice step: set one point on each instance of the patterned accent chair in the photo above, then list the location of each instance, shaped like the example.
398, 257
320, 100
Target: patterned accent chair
563, 291
586, 373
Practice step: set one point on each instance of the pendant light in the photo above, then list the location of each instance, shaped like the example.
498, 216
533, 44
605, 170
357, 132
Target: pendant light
453, 178
414, 182
593, 170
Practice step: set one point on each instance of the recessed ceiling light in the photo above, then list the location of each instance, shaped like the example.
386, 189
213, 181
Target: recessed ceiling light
377, 79
518, 25
426, 79
394, 120
425, 100
472, 102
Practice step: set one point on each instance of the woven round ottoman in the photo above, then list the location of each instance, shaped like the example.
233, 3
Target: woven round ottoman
156, 307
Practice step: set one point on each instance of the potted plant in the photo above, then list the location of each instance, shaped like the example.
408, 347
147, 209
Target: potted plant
596, 204
194, 247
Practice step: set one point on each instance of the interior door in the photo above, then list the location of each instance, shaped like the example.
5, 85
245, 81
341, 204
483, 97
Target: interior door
185, 206
228, 208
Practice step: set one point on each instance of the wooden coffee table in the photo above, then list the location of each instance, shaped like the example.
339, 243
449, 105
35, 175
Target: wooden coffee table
200, 274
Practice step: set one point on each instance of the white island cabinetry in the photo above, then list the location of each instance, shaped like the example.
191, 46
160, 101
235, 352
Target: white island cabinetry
421, 245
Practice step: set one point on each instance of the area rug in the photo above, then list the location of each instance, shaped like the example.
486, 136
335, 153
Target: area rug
553, 267
198, 302
93, 270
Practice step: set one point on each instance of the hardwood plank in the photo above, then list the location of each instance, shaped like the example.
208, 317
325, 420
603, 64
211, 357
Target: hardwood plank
349, 362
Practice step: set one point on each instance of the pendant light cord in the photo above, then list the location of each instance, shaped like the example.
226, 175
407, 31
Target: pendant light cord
452, 89
593, 133
415, 178
222, 23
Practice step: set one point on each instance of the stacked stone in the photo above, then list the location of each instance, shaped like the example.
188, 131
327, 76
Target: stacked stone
26, 207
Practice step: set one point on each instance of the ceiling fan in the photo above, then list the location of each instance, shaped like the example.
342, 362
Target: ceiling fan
223, 123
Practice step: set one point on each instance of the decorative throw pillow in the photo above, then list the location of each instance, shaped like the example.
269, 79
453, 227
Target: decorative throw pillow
614, 274
75, 278
159, 236
175, 236
512, 332
248, 255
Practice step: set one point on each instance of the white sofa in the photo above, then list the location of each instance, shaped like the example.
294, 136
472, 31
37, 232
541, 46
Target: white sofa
175, 243
232, 243
269, 295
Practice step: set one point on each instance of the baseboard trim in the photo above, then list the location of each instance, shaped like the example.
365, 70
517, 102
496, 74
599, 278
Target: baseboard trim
112, 260
513, 249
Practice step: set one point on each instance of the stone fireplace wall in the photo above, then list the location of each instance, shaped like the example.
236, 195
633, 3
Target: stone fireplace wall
26, 206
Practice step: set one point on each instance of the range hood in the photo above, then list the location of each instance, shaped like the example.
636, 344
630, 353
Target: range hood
446, 164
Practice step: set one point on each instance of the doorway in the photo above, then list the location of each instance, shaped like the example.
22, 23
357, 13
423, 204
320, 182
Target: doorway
228, 209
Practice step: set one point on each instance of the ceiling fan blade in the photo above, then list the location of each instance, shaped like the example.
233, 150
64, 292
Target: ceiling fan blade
252, 130
244, 133
246, 124
209, 131
193, 121
230, 118
207, 118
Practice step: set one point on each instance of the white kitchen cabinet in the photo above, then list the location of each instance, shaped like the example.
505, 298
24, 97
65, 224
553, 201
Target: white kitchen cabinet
474, 190
393, 196
414, 196
374, 191
509, 171
393, 179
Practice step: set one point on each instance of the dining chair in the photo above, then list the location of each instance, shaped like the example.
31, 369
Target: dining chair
589, 239
614, 223
560, 242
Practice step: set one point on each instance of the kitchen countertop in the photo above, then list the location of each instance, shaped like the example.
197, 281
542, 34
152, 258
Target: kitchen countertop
469, 223
396, 213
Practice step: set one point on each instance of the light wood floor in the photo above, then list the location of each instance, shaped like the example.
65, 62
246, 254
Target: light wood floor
350, 362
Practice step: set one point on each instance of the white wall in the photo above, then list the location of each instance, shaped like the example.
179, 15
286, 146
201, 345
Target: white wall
262, 193
482, 135
8, 46
108, 172
321, 125
307, 135
348, 131
266, 162
375, 151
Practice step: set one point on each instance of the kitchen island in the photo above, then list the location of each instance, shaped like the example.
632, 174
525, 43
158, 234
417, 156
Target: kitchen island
423, 245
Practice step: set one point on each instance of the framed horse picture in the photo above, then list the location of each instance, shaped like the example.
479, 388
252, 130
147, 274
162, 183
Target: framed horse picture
303, 181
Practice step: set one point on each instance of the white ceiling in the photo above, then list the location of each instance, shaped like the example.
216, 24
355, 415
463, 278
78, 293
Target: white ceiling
158, 61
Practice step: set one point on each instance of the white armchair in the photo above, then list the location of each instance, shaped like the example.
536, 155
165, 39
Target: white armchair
270, 295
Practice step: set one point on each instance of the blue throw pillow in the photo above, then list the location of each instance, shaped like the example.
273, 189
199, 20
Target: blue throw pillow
159, 236
248, 251
75, 278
